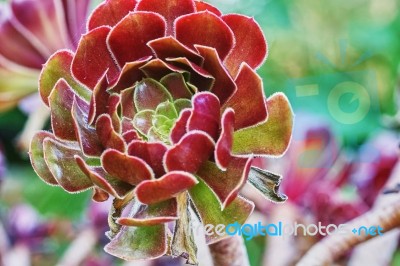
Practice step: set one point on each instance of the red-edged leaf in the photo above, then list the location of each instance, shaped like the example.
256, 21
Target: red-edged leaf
176, 85
169, 47
179, 129
157, 69
145, 215
250, 46
43, 23
170, 9
128, 39
209, 209
213, 32
223, 147
107, 134
226, 184
224, 86
206, 114
93, 59
164, 188
139, 243
110, 12
15, 46
129, 169
130, 136
36, 156
270, 138
198, 76
249, 100
203, 6
98, 102
61, 100
151, 152
87, 136
103, 180
149, 94
61, 162
190, 153
130, 74
57, 67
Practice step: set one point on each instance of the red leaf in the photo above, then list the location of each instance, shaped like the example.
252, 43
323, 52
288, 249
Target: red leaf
248, 101
107, 134
190, 153
151, 152
170, 9
130, 74
157, 69
250, 46
110, 12
206, 114
223, 148
129, 169
166, 187
127, 40
205, 28
93, 59
203, 6
179, 129
224, 86
169, 47
103, 180
198, 76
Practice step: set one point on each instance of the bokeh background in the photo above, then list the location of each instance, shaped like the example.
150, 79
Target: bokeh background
337, 61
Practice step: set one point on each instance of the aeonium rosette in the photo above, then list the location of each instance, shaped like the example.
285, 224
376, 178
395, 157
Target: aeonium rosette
161, 106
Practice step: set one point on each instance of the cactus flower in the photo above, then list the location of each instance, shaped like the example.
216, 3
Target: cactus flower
160, 106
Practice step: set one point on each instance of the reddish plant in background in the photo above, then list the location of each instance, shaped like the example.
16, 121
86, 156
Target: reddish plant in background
32, 30
160, 106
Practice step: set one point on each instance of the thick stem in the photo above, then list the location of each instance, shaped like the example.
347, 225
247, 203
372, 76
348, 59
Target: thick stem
229, 252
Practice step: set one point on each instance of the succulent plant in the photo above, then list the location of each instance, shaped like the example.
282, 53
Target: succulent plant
160, 107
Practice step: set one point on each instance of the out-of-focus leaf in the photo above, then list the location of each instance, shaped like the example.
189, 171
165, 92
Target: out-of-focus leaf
48, 201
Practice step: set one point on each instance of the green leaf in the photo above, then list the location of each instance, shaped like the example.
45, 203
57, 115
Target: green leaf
270, 138
209, 210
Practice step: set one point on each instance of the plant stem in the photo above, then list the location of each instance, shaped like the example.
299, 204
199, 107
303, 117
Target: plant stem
334, 246
230, 251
